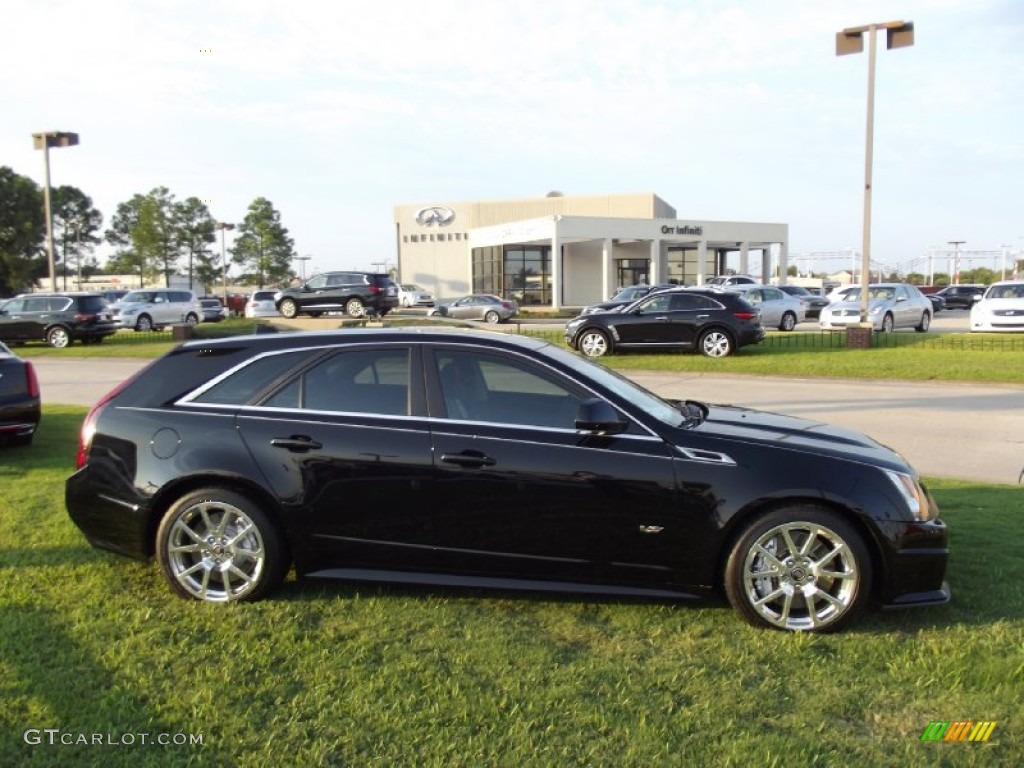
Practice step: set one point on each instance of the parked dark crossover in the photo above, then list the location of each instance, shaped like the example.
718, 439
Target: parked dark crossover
715, 321
961, 296
19, 399
57, 318
354, 293
463, 458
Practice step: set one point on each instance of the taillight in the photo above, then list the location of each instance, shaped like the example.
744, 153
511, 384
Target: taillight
31, 380
745, 315
84, 317
89, 425
506, 305
375, 289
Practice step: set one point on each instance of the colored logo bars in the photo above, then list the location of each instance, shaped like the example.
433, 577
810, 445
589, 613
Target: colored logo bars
958, 730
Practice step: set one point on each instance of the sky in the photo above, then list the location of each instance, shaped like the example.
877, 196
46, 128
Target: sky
736, 110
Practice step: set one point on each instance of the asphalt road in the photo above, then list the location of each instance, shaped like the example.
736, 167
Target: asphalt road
970, 431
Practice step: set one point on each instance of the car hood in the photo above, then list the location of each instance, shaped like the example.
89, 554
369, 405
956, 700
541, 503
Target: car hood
748, 426
872, 303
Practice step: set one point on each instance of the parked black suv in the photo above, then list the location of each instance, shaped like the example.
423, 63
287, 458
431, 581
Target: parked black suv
715, 321
57, 318
960, 296
355, 293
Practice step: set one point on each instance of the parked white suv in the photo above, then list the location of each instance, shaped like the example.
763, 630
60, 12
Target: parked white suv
151, 309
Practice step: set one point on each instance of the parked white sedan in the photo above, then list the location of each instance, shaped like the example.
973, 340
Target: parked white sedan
411, 295
1000, 309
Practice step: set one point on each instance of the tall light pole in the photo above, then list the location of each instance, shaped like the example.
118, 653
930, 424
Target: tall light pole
44, 140
956, 264
223, 257
899, 34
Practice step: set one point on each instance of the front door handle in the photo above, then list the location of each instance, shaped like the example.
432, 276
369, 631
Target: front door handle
471, 459
296, 443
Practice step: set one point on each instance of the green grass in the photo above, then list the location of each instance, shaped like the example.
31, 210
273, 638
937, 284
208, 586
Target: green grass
332, 674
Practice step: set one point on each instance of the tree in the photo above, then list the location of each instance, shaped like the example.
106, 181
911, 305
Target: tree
143, 227
76, 225
22, 232
194, 231
263, 247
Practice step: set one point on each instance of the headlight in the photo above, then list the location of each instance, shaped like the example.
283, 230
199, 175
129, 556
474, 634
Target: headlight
913, 494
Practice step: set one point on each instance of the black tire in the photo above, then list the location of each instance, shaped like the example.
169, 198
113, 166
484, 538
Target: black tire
354, 307
819, 587
887, 323
58, 337
788, 322
491, 317
715, 342
594, 343
21, 441
191, 319
218, 545
288, 308
144, 323
925, 324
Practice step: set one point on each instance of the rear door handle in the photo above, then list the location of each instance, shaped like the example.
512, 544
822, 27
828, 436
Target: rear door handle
471, 459
296, 443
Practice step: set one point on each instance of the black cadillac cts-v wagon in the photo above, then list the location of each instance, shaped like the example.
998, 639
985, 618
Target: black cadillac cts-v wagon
467, 458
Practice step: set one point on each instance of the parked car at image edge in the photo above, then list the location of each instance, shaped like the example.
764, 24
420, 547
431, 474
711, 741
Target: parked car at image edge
625, 296
777, 308
477, 306
151, 309
262, 304
230, 460
724, 280
813, 302
20, 402
891, 306
714, 321
1000, 309
354, 293
56, 318
411, 295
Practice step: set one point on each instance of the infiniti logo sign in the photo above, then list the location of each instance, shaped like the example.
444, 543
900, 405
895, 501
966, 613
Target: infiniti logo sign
435, 214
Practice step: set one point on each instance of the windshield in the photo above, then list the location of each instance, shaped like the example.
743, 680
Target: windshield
1012, 291
873, 293
620, 385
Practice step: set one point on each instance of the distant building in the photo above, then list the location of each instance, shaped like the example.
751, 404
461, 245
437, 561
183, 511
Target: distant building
560, 250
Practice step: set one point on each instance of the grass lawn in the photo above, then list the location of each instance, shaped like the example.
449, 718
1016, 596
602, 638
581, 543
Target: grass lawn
334, 674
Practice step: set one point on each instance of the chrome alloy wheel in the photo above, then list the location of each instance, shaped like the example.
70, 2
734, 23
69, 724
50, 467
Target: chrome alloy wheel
215, 552
715, 344
593, 344
800, 576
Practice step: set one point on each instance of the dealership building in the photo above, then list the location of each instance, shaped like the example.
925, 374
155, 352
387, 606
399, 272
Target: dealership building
567, 251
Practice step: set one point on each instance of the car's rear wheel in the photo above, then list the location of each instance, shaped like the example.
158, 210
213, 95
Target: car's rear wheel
788, 322
144, 323
887, 323
594, 343
799, 568
715, 343
288, 308
58, 337
492, 317
354, 308
925, 324
218, 545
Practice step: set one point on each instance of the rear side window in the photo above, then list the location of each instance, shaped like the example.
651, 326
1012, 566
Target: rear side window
243, 385
92, 303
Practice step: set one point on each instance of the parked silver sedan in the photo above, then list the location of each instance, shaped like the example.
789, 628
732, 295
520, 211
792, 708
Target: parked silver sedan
777, 308
890, 306
477, 306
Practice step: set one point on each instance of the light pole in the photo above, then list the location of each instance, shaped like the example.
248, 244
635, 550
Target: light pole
899, 34
302, 266
223, 257
44, 140
956, 264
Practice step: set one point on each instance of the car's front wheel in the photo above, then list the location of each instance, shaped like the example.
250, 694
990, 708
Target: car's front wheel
799, 568
715, 343
144, 323
594, 343
887, 323
354, 308
58, 337
925, 324
288, 308
788, 322
218, 545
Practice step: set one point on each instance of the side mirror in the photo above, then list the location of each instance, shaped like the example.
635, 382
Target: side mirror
596, 415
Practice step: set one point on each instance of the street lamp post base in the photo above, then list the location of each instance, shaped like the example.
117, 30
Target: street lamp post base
859, 336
